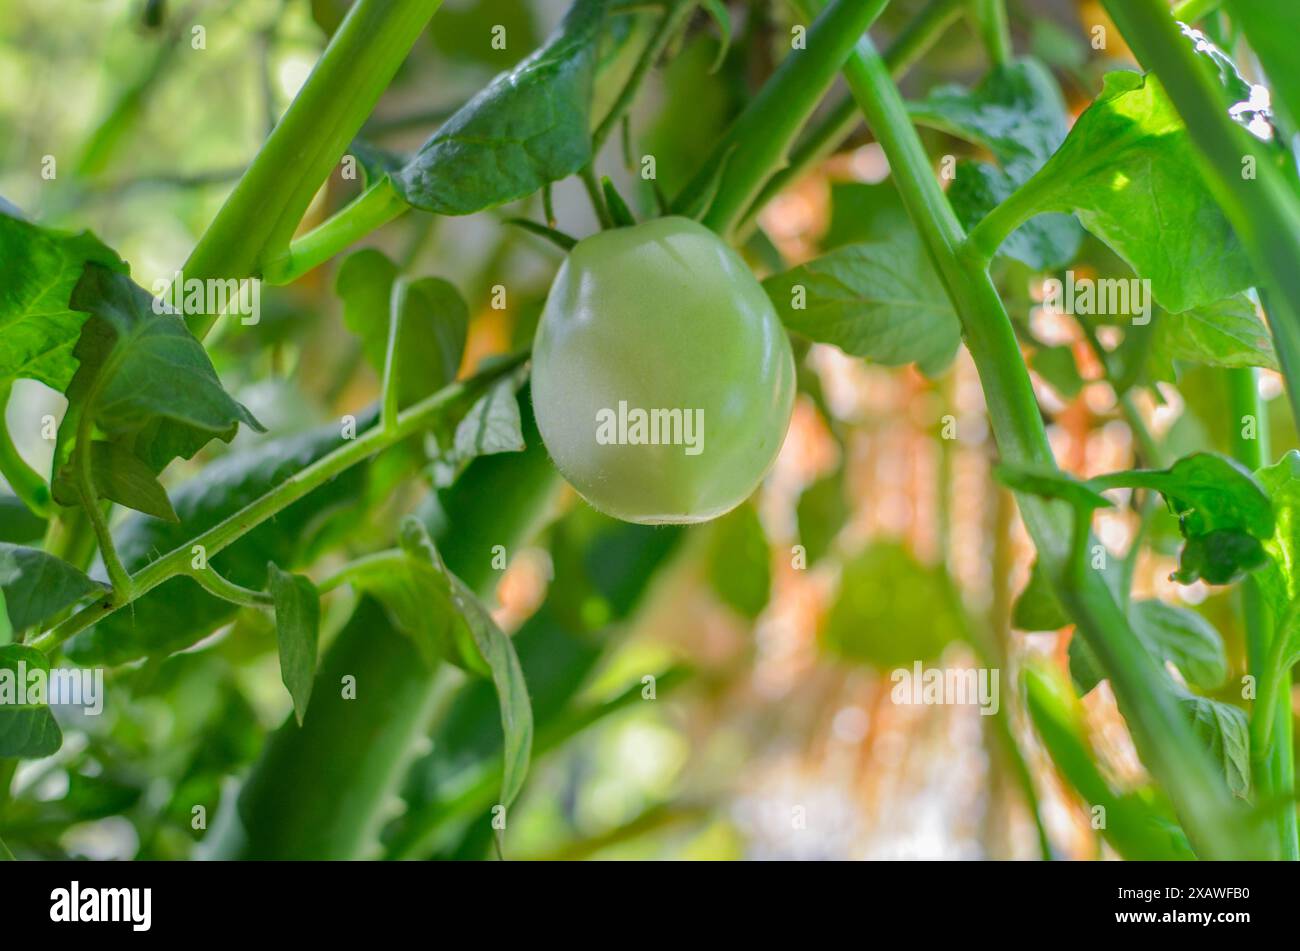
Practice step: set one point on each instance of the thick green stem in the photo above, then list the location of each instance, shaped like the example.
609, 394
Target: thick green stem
267, 205
1254, 194
373, 208
1272, 761
759, 139
415, 419
1162, 735
991, 20
117, 574
828, 134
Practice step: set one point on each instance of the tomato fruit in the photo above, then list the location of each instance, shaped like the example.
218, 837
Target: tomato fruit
663, 380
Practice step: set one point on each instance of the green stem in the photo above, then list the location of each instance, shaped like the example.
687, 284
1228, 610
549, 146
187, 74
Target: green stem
1163, 737
25, 482
214, 583
991, 21
267, 204
673, 18
829, 134
117, 574
596, 196
1263, 209
414, 419
995, 227
373, 208
389, 398
1272, 763
759, 139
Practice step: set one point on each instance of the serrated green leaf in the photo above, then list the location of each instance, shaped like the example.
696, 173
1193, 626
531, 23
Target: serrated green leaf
528, 127
879, 300
1128, 171
1018, 114
1227, 333
38, 585
37, 327
1225, 731
297, 632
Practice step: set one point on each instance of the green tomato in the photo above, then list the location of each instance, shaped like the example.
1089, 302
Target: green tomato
662, 379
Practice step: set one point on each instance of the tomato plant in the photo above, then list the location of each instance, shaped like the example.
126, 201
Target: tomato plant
430, 406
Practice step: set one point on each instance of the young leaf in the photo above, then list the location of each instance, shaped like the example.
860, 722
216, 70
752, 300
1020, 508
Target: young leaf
1223, 512
38, 585
892, 611
528, 127
879, 300
435, 321
37, 326
1019, 115
297, 631
28, 730
1128, 171
1224, 730
740, 568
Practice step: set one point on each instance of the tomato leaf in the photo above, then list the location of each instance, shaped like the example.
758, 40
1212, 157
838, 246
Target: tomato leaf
38, 585
492, 425
1184, 638
1128, 171
1223, 513
122, 478
879, 300
27, 730
37, 326
1018, 114
434, 323
142, 374
1224, 730
1037, 608
740, 563
528, 127
297, 632
1227, 333
1056, 365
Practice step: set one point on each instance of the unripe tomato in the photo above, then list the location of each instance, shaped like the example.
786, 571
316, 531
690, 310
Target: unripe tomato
662, 379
